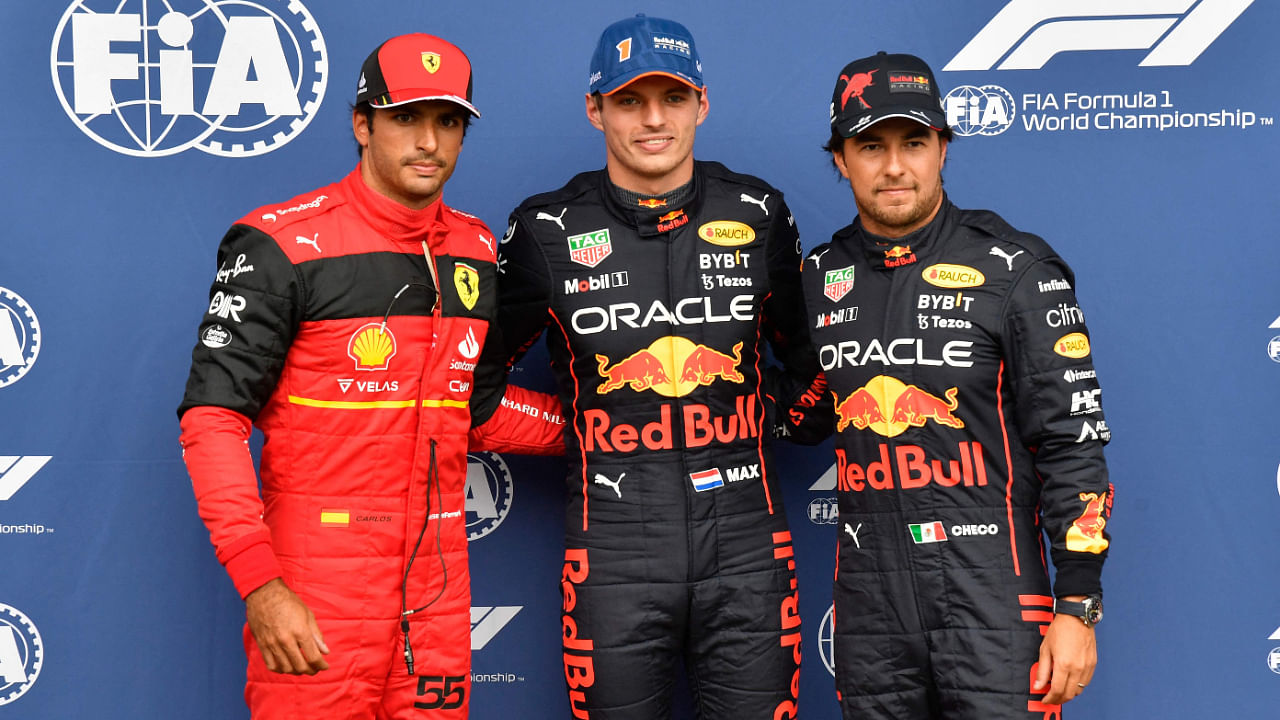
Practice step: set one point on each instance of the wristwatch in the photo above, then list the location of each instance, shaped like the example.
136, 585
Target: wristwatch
1089, 610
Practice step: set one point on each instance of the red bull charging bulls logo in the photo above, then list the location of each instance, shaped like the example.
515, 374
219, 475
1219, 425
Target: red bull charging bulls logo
1085, 533
671, 366
888, 407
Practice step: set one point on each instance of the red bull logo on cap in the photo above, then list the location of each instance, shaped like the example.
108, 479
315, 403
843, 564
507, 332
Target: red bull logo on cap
654, 368
888, 407
837, 283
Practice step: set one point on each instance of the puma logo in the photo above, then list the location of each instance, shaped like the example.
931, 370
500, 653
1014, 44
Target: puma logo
557, 219
615, 484
1008, 259
748, 199
312, 241
854, 534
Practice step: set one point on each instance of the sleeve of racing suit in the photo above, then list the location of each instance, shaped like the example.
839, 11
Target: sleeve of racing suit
254, 309
506, 418
798, 388
1058, 410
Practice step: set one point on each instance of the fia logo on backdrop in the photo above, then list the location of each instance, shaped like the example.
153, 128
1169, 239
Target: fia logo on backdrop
19, 337
489, 492
21, 654
151, 78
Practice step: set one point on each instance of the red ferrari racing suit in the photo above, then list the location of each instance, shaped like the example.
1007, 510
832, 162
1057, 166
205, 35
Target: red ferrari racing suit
970, 426
657, 318
347, 327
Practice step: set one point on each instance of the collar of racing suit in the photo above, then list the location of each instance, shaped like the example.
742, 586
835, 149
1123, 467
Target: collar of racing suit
884, 253
648, 222
391, 219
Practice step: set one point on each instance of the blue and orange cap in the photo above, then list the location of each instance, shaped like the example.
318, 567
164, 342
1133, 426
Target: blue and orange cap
642, 46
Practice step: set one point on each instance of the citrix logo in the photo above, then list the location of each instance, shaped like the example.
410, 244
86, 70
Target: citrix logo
1027, 33
151, 78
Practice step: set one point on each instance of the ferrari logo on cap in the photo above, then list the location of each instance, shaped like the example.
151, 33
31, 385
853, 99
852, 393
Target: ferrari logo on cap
467, 282
431, 61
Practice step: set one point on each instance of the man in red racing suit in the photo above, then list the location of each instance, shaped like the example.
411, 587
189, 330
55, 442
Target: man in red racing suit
345, 324
969, 425
660, 281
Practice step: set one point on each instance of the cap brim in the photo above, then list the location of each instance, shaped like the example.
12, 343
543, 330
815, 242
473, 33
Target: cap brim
405, 97
622, 81
928, 118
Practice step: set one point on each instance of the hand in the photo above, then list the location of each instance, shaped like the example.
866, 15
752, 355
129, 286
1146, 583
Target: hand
285, 630
1068, 654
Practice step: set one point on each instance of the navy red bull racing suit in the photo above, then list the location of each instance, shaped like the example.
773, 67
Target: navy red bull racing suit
677, 546
969, 427
347, 327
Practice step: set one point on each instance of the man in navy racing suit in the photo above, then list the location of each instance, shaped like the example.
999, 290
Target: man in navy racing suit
658, 281
969, 428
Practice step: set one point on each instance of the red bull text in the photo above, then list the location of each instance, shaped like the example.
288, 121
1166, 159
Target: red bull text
701, 428
910, 468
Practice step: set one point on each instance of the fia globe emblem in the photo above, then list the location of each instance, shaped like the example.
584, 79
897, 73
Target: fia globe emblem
985, 110
21, 654
19, 337
489, 493
151, 78
826, 640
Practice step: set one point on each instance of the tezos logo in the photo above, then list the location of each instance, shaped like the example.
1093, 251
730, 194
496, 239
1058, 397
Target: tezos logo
150, 78
489, 493
826, 643
985, 110
1028, 33
19, 337
21, 654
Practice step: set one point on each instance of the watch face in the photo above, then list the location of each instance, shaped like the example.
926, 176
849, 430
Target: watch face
1092, 610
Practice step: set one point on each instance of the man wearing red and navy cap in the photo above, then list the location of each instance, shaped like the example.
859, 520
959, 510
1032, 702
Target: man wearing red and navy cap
345, 323
661, 284
969, 431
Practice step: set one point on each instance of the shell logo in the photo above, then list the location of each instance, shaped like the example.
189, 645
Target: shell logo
1075, 345
946, 275
727, 233
372, 347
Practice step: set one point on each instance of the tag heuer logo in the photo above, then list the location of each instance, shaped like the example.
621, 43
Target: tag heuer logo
838, 283
590, 248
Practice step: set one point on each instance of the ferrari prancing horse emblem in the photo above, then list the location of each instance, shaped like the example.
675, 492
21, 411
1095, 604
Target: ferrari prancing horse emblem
467, 282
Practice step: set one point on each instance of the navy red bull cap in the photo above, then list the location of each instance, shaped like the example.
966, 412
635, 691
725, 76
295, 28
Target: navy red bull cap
413, 67
885, 86
642, 46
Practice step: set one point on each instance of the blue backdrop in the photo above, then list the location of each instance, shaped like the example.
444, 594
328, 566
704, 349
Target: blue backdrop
1137, 136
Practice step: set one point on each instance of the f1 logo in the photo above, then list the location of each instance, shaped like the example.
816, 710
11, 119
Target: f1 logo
16, 470
1179, 30
486, 622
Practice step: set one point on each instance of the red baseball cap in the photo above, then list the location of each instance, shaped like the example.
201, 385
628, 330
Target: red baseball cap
413, 67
